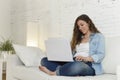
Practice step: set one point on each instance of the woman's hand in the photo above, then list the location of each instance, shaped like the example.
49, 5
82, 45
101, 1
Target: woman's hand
88, 59
85, 59
79, 58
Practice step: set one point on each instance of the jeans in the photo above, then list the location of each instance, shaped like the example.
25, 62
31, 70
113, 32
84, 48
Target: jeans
76, 68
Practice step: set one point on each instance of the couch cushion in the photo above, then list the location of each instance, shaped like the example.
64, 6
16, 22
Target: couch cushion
112, 57
33, 73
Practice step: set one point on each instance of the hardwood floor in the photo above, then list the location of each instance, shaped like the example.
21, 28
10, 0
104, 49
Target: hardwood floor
4, 71
4, 76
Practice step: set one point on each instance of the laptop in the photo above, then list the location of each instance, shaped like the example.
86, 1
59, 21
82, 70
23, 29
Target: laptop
58, 49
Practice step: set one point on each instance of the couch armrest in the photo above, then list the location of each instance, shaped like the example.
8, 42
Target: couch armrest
12, 61
118, 72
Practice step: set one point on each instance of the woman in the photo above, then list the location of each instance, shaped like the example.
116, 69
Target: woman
88, 52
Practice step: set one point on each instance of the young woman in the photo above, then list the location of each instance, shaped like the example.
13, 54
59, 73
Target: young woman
88, 52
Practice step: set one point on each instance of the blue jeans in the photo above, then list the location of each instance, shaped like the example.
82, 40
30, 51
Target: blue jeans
76, 68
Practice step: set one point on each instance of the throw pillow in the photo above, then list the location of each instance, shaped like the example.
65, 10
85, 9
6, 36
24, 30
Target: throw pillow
30, 56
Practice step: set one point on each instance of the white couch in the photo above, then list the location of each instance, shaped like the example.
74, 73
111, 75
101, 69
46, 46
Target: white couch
17, 71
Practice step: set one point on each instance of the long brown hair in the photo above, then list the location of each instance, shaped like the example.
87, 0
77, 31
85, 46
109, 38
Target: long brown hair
77, 34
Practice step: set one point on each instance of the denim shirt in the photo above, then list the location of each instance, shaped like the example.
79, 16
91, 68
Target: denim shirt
97, 51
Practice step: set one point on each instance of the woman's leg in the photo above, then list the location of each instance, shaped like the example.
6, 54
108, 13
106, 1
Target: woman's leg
50, 65
44, 69
76, 68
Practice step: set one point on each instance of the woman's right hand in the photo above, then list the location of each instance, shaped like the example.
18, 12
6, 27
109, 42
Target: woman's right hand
85, 59
79, 58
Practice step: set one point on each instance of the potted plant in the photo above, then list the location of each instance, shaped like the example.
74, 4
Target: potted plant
6, 47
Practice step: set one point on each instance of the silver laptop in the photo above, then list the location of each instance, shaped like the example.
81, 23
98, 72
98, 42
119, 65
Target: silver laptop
58, 49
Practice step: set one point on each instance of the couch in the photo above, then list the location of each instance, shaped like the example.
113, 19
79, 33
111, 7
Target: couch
19, 70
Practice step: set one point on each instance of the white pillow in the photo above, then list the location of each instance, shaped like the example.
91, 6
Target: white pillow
112, 57
30, 56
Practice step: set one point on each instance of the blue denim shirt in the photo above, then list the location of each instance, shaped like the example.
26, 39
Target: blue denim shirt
97, 51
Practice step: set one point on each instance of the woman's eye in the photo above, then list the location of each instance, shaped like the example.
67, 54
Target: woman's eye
81, 25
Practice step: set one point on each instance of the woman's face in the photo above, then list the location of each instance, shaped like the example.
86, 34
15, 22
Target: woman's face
83, 26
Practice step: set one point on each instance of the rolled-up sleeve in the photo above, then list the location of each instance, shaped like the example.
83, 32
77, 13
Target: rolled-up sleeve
99, 52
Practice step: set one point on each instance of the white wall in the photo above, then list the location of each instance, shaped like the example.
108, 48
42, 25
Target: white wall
104, 13
38, 11
18, 21
5, 28
25, 11
55, 18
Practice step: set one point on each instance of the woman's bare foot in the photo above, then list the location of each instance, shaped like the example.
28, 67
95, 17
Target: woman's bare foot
44, 69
